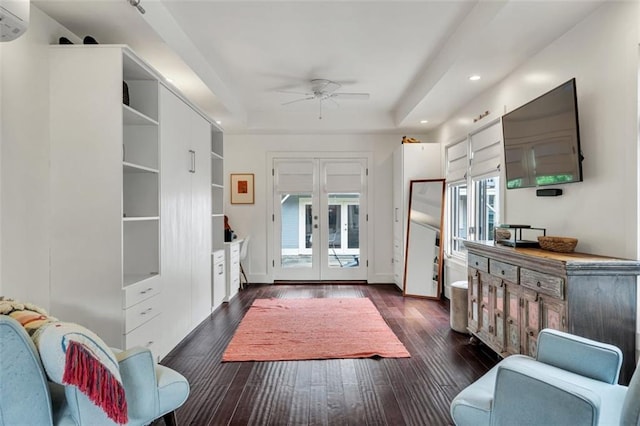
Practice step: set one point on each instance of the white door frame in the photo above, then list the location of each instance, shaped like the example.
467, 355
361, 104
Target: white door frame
367, 247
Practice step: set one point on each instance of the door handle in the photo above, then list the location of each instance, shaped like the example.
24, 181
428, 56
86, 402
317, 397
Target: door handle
193, 161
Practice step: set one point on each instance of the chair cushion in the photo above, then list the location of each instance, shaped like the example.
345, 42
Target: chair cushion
73, 355
24, 395
586, 357
631, 406
472, 406
554, 396
173, 389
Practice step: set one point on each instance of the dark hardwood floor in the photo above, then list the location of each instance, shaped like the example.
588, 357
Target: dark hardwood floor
410, 391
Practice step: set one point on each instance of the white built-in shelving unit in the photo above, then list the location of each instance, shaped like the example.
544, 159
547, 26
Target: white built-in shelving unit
105, 191
136, 189
217, 217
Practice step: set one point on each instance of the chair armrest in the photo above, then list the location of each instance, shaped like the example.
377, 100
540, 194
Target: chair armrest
535, 393
138, 372
599, 361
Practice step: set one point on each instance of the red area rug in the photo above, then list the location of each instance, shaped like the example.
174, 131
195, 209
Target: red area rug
299, 329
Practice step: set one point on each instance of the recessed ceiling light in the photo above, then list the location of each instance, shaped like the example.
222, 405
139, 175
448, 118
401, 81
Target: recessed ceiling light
218, 121
474, 77
424, 121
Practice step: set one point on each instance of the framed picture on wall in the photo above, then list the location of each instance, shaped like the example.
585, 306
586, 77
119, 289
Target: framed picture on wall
242, 189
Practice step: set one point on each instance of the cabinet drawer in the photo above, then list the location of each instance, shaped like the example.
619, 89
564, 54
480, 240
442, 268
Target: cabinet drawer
478, 262
503, 270
139, 314
543, 283
235, 283
143, 290
234, 249
218, 256
146, 336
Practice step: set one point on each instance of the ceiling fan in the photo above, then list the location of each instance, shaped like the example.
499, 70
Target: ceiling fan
325, 90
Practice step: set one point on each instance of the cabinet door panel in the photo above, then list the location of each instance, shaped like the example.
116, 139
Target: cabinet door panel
486, 323
176, 216
200, 143
473, 298
531, 322
498, 306
512, 315
553, 314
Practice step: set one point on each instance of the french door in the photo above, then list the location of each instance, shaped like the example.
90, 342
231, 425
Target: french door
319, 215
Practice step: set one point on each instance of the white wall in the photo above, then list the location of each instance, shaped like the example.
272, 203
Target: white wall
248, 154
602, 54
24, 168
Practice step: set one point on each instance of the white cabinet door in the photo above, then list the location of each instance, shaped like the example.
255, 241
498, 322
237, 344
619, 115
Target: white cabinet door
219, 278
176, 216
200, 219
410, 161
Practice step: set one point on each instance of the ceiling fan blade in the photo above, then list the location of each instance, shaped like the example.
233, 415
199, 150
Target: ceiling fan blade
353, 96
299, 100
294, 92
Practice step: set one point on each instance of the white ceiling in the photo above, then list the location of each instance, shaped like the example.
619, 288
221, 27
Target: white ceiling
234, 58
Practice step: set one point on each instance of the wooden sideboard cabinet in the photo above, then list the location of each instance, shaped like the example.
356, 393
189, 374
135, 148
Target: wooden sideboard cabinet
516, 292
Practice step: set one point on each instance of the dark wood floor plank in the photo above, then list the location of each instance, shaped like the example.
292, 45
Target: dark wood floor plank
409, 391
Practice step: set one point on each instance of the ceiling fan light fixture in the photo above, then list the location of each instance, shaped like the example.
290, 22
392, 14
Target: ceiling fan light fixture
324, 90
424, 121
474, 77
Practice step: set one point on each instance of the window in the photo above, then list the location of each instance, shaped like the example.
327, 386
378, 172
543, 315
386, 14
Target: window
458, 216
487, 210
474, 188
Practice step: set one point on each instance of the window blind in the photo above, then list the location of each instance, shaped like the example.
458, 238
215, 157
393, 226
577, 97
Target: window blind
457, 161
486, 150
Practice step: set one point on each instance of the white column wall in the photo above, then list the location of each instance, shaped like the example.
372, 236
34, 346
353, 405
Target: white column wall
24, 168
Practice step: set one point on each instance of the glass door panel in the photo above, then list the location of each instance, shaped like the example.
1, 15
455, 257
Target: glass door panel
343, 224
296, 233
319, 219
353, 229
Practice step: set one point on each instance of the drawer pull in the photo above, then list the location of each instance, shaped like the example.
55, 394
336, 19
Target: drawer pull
477, 263
510, 321
539, 284
146, 312
502, 272
149, 343
146, 291
531, 333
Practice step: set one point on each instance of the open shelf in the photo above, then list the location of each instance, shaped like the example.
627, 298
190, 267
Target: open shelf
133, 117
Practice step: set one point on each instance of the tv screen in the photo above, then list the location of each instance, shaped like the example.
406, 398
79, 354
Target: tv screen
542, 140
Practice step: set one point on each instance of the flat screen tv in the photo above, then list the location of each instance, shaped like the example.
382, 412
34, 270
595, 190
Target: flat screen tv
542, 140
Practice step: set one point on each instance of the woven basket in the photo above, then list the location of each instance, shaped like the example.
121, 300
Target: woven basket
558, 244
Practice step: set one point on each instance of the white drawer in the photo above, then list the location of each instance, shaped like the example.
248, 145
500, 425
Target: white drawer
147, 335
218, 256
234, 250
235, 282
139, 314
143, 290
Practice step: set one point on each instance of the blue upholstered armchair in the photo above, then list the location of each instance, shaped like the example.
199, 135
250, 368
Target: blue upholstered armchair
28, 398
572, 381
